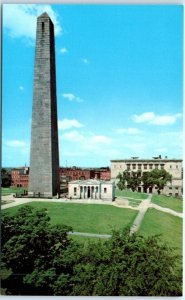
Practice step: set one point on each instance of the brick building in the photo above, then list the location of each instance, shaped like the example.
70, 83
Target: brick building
172, 166
75, 173
20, 177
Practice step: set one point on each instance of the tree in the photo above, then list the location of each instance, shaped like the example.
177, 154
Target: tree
29, 246
128, 266
41, 259
129, 180
156, 177
5, 178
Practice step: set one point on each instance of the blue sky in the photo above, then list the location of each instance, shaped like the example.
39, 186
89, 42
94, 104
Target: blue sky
119, 81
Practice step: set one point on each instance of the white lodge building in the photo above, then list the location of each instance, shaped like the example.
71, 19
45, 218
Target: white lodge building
172, 166
91, 189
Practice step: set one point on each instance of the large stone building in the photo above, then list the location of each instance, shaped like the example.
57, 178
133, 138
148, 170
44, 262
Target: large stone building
173, 166
44, 157
91, 189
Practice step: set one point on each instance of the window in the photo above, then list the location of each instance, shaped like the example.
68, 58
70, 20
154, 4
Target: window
156, 166
176, 194
105, 190
170, 194
145, 166
139, 167
176, 188
170, 188
96, 189
162, 167
150, 166
134, 166
128, 167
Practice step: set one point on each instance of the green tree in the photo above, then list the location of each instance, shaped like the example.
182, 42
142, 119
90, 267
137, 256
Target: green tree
128, 266
156, 177
129, 180
40, 259
5, 178
29, 246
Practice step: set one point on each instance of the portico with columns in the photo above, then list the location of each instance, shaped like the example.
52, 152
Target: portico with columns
91, 189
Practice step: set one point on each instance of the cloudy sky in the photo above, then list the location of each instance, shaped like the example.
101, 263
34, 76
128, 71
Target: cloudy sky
119, 81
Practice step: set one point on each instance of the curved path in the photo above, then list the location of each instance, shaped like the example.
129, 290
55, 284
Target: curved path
167, 210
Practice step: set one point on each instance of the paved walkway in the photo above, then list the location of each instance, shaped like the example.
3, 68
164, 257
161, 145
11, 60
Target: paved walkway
101, 236
167, 210
143, 207
19, 201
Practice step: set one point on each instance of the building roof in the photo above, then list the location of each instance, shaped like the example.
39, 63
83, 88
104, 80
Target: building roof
160, 160
90, 182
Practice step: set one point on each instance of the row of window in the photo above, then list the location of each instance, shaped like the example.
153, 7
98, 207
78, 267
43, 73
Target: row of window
144, 166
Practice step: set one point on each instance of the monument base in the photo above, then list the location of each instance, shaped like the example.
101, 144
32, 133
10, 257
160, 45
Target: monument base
42, 195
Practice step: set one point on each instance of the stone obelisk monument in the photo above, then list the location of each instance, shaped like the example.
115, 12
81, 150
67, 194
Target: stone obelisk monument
44, 157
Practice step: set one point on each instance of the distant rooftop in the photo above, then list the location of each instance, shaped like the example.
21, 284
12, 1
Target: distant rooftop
156, 158
90, 182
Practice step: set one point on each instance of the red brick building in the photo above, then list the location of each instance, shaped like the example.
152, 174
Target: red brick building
74, 173
20, 177
105, 174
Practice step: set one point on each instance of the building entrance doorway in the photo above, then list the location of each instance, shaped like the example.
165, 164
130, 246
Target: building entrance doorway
150, 190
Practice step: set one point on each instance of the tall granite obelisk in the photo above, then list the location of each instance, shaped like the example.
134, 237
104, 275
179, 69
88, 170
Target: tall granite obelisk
44, 156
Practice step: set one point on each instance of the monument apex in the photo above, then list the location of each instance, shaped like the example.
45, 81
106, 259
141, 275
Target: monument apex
44, 155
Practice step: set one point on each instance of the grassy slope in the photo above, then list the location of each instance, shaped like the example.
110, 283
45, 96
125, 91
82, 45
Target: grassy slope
157, 222
92, 218
170, 202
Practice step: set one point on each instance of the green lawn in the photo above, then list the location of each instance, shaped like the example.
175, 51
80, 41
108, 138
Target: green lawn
169, 226
92, 218
8, 191
135, 195
170, 202
134, 202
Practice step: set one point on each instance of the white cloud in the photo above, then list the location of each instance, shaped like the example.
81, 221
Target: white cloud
131, 131
152, 119
72, 136
63, 50
69, 123
21, 88
16, 143
101, 139
72, 97
20, 19
85, 61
